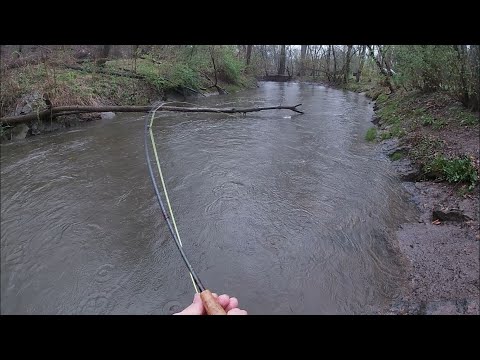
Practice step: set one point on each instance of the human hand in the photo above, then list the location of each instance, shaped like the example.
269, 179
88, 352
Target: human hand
229, 304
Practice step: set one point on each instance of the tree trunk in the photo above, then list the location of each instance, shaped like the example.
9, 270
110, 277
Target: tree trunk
461, 55
334, 64
106, 51
242, 49
263, 51
474, 64
329, 78
283, 59
135, 52
382, 70
64, 110
385, 60
313, 51
249, 54
362, 62
346, 75
290, 58
221, 91
303, 53
103, 55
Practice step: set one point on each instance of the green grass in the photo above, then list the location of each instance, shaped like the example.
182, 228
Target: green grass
371, 134
468, 118
353, 86
454, 170
382, 98
385, 135
362, 86
394, 131
402, 113
389, 115
427, 119
425, 147
397, 155
439, 124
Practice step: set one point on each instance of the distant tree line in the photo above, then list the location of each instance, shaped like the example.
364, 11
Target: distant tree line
454, 69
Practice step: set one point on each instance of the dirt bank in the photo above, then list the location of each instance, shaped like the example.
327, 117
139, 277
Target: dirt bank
440, 251
441, 257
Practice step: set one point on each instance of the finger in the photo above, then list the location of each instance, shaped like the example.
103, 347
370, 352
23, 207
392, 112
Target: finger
224, 300
197, 299
237, 311
232, 305
195, 308
215, 295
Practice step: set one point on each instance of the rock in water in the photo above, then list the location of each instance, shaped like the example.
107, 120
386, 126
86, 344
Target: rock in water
107, 115
449, 215
20, 131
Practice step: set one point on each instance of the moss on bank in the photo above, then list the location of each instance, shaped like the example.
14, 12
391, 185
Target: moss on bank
144, 80
441, 135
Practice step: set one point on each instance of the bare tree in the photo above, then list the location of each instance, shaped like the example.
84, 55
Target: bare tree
282, 60
384, 72
328, 62
104, 51
383, 51
346, 74
290, 58
215, 85
249, 54
241, 51
315, 55
361, 63
334, 64
462, 59
263, 52
303, 53
474, 65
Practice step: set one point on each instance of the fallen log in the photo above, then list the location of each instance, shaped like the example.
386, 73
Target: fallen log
61, 110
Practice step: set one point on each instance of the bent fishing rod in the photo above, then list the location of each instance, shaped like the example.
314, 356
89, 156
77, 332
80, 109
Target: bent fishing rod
209, 302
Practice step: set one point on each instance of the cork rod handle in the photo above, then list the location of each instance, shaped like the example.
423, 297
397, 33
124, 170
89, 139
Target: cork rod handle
211, 304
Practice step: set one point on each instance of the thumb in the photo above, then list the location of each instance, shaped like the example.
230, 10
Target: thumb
195, 308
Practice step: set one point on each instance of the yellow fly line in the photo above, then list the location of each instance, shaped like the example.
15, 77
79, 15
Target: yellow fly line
165, 188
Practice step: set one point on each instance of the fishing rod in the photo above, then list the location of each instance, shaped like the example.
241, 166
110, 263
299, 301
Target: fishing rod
209, 302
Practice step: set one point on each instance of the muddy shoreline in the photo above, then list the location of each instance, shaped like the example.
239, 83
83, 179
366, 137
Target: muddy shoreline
439, 252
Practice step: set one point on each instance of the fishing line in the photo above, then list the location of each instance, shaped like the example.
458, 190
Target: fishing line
173, 229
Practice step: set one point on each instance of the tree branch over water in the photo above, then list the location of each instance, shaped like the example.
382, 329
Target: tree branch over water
63, 110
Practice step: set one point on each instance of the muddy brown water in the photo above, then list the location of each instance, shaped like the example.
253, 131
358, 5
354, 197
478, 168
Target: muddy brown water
290, 213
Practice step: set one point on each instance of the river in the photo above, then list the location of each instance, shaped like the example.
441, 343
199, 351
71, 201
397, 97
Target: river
289, 213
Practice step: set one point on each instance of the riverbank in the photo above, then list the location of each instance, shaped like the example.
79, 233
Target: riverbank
61, 81
433, 143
